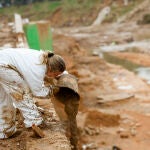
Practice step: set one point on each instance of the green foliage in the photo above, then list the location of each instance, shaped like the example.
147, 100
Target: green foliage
146, 19
54, 5
35, 11
79, 5
82, 11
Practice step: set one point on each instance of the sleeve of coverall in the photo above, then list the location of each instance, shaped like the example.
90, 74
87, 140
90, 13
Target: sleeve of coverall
45, 91
42, 92
36, 85
39, 89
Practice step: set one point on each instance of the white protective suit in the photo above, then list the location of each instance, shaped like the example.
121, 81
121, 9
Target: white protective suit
21, 76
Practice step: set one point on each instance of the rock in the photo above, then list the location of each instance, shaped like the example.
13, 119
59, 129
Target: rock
133, 131
124, 135
120, 130
18, 144
90, 130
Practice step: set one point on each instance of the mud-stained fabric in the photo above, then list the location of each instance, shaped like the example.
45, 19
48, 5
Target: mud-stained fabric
14, 89
71, 108
28, 64
7, 115
21, 75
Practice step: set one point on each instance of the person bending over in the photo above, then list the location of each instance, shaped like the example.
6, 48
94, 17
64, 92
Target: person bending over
22, 73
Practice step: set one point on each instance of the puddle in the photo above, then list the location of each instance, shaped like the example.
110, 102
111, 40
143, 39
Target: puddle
122, 62
143, 72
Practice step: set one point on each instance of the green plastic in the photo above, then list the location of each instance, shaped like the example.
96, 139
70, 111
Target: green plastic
39, 36
32, 36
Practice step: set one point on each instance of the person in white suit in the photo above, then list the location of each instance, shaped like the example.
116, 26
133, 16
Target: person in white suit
22, 73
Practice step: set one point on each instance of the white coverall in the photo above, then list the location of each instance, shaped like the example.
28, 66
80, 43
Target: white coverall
17, 87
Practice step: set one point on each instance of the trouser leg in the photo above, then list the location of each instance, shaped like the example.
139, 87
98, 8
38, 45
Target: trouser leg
30, 112
71, 108
7, 115
15, 86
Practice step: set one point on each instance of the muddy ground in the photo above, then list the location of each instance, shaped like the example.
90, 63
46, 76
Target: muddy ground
115, 102
103, 121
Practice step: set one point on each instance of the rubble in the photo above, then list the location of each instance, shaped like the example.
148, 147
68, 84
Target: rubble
92, 130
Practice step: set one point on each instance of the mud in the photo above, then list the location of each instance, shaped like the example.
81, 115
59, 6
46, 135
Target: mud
102, 126
96, 118
17, 96
137, 58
